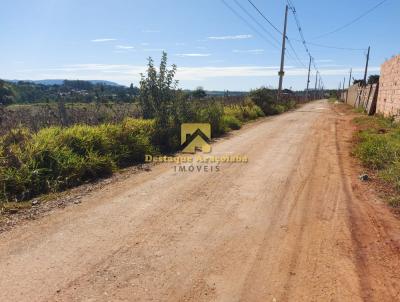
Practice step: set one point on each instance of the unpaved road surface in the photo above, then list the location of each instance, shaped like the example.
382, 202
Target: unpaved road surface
293, 224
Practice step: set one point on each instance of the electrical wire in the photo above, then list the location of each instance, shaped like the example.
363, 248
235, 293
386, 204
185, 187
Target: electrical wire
254, 29
254, 20
265, 18
247, 23
353, 21
303, 40
332, 47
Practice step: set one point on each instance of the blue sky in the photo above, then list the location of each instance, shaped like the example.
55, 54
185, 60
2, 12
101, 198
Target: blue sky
213, 47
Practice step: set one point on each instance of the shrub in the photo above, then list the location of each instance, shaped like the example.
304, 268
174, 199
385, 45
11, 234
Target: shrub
229, 122
266, 100
212, 113
278, 108
244, 112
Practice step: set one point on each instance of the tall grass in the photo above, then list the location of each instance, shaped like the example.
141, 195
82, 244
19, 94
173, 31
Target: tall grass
57, 158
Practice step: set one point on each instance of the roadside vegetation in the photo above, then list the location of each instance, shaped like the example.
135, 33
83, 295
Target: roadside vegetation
378, 148
56, 158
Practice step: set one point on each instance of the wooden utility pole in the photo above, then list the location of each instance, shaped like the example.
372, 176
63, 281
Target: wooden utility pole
366, 66
315, 88
348, 89
319, 87
281, 71
344, 88
308, 78
351, 71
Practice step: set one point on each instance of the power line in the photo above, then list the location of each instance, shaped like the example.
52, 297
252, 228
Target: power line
295, 53
253, 28
265, 18
291, 6
247, 23
333, 47
254, 20
353, 21
303, 40
276, 29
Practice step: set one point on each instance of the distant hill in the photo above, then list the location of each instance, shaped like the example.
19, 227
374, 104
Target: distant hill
61, 82
217, 93
222, 93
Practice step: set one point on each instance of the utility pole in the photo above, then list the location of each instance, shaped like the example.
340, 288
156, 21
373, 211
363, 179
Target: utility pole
366, 66
319, 88
348, 89
281, 71
308, 78
351, 71
315, 89
344, 88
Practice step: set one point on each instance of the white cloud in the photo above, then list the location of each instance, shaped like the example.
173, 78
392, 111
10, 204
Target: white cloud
236, 37
125, 74
125, 47
153, 49
250, 51
144, 44
103, 40
324, 61
193, 54
151, 31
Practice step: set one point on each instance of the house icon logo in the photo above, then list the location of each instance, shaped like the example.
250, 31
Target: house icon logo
195, 136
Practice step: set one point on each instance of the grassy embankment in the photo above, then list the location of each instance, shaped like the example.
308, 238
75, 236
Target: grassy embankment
56, 158
378, 148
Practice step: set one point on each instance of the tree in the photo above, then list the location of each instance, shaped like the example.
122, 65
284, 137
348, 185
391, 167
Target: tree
358, 82
373, 79
199, 93
159, 100
157, 90
7, 95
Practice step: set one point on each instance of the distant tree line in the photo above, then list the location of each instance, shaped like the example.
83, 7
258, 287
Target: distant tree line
24, 92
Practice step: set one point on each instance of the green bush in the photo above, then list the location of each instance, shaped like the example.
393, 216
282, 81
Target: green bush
278, 108
212, 113
245, 112
229, 122
266, 100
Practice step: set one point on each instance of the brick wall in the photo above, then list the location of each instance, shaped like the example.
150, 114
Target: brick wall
353, 92
389, 88
362, 96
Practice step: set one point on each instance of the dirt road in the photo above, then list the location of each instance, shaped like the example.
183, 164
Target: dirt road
292, 224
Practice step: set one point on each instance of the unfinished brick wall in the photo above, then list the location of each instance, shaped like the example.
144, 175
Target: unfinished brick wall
389, 88
362, 96
353, 91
